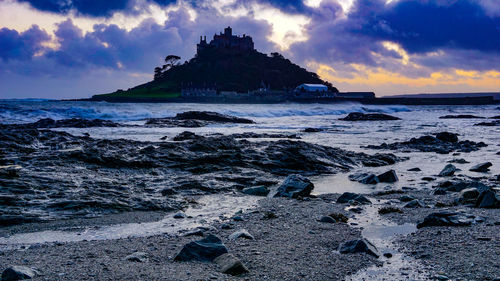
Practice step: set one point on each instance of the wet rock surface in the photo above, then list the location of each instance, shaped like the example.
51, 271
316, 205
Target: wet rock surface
64, 123
359, 246
295, 186
48, 174
17, 272
194, 119
449, 219
205, 250
443, 143
358, 116
461, 116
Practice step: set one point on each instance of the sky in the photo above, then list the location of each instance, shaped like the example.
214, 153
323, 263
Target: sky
77, 48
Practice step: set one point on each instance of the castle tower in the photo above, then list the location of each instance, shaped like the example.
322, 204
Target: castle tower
228, 32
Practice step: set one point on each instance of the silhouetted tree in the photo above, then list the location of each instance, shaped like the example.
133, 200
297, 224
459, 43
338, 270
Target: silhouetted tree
171, 61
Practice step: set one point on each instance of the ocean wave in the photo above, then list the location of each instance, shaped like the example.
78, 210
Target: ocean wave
30, 111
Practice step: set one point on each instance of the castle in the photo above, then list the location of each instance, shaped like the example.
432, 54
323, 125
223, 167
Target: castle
226, 40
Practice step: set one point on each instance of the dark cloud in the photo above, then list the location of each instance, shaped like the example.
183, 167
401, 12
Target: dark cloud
114, 48
21, 46
93, 8
438, 34
424, 26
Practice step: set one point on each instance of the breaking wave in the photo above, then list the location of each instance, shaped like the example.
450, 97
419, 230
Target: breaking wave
22, 111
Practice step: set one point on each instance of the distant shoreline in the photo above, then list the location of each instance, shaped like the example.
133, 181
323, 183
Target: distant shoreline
481, 100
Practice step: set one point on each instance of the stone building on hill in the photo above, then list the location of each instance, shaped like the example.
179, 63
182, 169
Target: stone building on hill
227, 40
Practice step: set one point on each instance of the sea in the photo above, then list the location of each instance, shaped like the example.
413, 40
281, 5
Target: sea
289, 118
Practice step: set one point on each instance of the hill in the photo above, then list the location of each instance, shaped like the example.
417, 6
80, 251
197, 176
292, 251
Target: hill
227, 63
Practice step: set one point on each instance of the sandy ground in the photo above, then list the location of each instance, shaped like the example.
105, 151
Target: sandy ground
459, 253
293, 246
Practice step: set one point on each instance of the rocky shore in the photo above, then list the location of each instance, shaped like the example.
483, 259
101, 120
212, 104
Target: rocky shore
446, 227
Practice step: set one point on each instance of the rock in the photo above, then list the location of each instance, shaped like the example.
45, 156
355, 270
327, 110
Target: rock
482, 168
194, 232
358, 116
468, 195
414, 204
211, 116
339, 217
461, 116
444, 145
312, 130
137, 257
459, 161
204, 250
389, 176
294, 186
364, 178
256, 191
388, 255
18, 273
448, 170
268, 215
242, 233
447, 218
359, 246
238, 218
327, 219
406, 198
186, 135
347, 197
167, 191
252, 135
388, 210
461, 185
229, 264
414, 170
488, 124
447, 137
72, 123
488, 199
180, 215
428, 179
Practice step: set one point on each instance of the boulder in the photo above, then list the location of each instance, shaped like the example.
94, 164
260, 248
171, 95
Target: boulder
468, 195
482, 168
348, 197
461, 116
256, 191
448, 170
229, 264
312, 130
358, 116
211, 116
447, 218
447, 137
327, 219
461, 185
406, 198
389, 176
180, 215
137, 257
364, 178
416, 169
359, 246
204, 250
488, 199
242, 233
414, 204
186, 135
294, 186
18, 273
